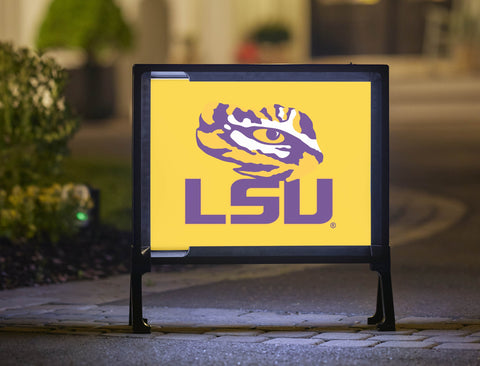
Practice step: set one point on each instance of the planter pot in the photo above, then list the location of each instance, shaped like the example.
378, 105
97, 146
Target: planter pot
274, 53
90, 91
467, 57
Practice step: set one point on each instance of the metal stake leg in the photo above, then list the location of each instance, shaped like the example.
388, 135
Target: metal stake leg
139, 267
378, 316
387, 299
136, 311
384, 315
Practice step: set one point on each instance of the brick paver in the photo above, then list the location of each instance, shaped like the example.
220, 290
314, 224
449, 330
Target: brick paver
343, 336
443, 332
428, 323
474, 328
465, 346
24, 329
395, 337
235, 332
407, 344
294, 341
292, 334
131, 335
187, 337
397, 332
349, 343
241, 339
453, 339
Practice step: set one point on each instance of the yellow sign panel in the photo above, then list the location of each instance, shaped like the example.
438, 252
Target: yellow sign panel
259, 164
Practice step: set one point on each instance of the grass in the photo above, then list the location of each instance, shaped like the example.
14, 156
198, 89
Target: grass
112, 178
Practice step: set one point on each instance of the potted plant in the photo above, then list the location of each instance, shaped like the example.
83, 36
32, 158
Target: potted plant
272, 39
466, 32
96, 27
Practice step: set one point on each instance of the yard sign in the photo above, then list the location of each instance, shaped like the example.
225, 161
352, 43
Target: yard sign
249, 164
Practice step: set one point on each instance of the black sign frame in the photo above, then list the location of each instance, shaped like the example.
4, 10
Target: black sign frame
377, 254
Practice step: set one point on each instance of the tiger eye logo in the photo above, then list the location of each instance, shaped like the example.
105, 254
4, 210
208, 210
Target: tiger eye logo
276, 142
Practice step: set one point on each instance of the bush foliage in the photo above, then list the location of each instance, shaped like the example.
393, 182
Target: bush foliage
38, 217
35, 123
44, 214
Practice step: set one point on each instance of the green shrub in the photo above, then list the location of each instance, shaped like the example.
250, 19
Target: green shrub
95, 26
43, 214
274, 33
35, 123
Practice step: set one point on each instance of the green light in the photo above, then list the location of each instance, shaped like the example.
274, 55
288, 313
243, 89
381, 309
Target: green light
82, 216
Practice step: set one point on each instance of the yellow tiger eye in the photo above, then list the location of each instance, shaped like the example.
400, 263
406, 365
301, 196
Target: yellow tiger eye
268, 136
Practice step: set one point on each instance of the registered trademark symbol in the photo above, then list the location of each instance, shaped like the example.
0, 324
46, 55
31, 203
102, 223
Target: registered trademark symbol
333, 225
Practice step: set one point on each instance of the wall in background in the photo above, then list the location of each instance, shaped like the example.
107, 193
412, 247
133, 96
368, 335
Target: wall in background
174, 31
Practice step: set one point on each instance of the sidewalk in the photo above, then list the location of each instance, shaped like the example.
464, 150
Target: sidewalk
62, 329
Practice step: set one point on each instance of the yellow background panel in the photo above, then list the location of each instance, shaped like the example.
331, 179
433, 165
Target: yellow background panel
340, 112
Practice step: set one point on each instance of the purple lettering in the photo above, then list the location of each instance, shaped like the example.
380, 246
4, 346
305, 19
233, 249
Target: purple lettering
270, 204
324, 203
193, 205
270, 214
